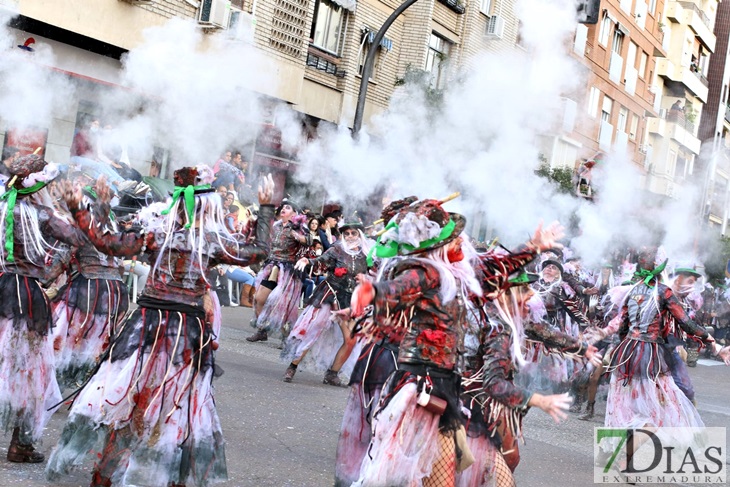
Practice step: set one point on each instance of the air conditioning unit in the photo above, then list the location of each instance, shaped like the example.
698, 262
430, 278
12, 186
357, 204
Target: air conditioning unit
643, 149
214, 13
138, 2
495, 27
241, 26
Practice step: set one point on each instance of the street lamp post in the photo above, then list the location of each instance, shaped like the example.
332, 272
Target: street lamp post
367, 68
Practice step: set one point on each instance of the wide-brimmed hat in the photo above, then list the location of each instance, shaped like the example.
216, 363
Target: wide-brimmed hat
522, 278
354, 224
285, 202
548, 262
687, 271
422, 226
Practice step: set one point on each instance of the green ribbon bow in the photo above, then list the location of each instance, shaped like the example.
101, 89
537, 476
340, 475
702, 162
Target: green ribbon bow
390, 249
647, 276
11, 196
522, 278
188, 192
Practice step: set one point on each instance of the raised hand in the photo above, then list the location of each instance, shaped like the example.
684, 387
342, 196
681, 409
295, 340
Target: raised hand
104, 192
71, 194
266, 190
547, 238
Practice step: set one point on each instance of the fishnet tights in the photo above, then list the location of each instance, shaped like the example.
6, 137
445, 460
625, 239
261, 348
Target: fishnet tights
502, 473
443, 473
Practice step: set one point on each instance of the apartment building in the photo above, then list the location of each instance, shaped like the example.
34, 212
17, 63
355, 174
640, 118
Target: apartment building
681, 79
619, 56
316, 47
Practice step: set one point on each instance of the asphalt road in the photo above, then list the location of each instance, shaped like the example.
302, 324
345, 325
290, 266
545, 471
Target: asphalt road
285, 435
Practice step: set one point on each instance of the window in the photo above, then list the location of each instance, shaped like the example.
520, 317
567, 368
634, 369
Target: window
633, 126
631, 54
652, 6
643, 60
593, 101
366, 46
328, 21
606, 109
437, 60
605, 30
485, 7
623, 116
618, 41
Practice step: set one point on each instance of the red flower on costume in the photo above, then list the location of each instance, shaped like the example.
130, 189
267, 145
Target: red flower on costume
340, 271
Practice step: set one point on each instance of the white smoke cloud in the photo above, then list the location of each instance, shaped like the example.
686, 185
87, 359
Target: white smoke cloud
192, 93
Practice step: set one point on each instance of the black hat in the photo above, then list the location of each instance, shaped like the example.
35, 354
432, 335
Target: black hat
355, 224
548, 262
285, 202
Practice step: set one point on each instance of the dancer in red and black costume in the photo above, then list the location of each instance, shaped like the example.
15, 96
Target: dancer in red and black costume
87, 309
642, 392
149, 409
278, 284
497, 405
28, 386
421, 298
316, 329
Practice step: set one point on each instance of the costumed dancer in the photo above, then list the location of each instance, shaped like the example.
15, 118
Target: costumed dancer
550, 372
421, 297
148, 413
642, 392
376, 361
28, 387
496, 404
88, 308
316, 327
278, 284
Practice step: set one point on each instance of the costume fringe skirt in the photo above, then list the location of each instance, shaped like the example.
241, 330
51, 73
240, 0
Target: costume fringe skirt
282, 305
85, 314
405, 441
28, 386
148, 412
642, 391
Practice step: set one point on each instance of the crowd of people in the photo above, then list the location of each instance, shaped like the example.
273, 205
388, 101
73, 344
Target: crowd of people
445, 343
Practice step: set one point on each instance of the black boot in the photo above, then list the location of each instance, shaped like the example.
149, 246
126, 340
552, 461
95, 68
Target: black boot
332, 378
259, 336
588, 415
18, 453
290, 371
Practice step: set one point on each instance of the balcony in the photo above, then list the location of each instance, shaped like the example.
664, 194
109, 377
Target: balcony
682, 130
727, 113
693, 81
689, 14
672, 124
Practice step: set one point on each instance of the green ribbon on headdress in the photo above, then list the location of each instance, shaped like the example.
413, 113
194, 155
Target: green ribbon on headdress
647, 276
11, 196
188, 192
390, 249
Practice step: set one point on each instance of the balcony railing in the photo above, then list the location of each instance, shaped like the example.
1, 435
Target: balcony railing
703, 16
677, 116
727, 113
